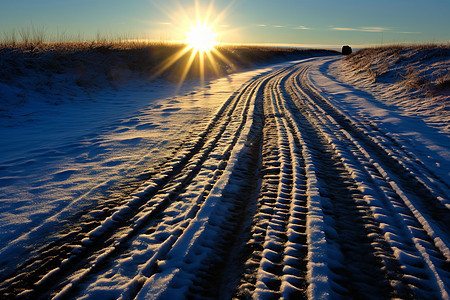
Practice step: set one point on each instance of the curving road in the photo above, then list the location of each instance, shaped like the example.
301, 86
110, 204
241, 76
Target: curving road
283, 194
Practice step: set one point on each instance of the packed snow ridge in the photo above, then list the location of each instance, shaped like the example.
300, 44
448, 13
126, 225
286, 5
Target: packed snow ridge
286, 181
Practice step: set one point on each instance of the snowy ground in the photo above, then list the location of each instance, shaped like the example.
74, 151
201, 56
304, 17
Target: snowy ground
276, 183
414, 78
61, 159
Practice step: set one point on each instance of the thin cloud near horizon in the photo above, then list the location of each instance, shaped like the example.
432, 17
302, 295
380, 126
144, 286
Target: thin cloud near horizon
302, 28
364, 29
410, 32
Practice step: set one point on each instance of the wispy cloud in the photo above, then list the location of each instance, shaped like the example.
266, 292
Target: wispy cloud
284, 26
375, 29
343, 29
409, 32
302, 28
364, 29
165, 23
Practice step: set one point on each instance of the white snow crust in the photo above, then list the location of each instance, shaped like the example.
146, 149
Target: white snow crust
59, 160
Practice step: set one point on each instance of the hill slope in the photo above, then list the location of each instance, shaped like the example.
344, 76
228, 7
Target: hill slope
416, 78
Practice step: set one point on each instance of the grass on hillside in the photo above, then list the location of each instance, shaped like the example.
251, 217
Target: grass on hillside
417, 67
414, 78
94, 63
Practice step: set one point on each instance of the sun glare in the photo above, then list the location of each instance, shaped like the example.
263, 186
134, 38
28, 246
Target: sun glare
201, 38
200, 55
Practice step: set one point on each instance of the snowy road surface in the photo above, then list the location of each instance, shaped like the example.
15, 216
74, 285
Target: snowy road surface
277, 183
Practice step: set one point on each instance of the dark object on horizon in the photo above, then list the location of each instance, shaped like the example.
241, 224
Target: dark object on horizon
346, 50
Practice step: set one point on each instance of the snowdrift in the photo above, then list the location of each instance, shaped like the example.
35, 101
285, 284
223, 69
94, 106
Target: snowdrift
414, 77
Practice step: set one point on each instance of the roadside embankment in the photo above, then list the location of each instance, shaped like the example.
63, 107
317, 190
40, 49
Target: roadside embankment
414, 77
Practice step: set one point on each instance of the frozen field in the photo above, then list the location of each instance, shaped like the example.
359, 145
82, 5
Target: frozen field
282, 182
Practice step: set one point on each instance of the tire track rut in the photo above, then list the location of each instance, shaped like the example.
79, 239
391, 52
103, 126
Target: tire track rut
345, 221
404, 215
281, 196
34, 278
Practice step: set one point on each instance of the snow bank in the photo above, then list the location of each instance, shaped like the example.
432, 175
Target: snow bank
415, 78
369, 107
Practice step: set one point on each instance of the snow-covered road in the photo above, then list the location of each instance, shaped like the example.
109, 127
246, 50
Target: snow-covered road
287, 184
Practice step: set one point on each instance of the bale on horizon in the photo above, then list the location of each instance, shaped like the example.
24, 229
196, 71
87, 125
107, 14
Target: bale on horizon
346, 50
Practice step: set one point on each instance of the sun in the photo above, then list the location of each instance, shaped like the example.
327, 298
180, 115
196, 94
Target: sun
201, 38
199, 54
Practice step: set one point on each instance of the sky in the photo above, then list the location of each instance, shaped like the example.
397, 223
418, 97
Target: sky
299, 22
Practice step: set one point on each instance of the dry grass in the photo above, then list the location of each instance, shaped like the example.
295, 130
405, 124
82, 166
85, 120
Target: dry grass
115, 61
416, 78
423, 67
32, 71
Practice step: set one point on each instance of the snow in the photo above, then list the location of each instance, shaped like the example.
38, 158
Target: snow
352, 102
411, 78
58, 160
63, 160
429, 145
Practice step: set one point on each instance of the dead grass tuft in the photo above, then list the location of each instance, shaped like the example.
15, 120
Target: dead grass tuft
98, 62
417, 67
414, 77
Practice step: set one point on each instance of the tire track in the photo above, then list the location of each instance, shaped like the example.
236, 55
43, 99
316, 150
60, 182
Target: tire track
183, 181
276, 266
270, 170
194, 272
352, 271
214, 160
34, 277
425, 278
281, 189
273, 276
427, 193
359, 260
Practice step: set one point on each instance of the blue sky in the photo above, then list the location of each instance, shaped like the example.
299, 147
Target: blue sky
321, 22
